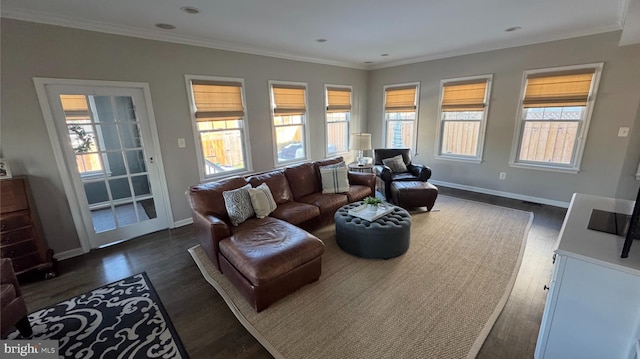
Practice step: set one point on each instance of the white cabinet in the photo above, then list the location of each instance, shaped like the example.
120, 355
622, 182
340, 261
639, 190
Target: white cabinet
593, 305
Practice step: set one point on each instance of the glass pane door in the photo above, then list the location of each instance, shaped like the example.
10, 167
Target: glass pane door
105, 136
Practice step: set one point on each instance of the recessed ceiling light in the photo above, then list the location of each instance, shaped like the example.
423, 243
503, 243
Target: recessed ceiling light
321, 40
368, 62
190, 10
165, 26
515, 28
384, 55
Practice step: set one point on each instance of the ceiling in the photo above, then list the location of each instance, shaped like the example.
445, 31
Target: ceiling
365, 34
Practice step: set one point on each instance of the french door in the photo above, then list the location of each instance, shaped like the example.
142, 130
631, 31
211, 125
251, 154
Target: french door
105, 140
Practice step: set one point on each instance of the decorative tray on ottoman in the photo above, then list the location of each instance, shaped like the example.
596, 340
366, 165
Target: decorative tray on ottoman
363, 212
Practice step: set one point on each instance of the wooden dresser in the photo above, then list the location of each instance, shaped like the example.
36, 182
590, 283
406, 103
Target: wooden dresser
20, 237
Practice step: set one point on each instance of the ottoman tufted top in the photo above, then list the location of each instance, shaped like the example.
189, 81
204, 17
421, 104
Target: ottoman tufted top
398, 218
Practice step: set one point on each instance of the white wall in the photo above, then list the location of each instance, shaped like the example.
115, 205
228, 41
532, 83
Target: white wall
608, 159
36, 50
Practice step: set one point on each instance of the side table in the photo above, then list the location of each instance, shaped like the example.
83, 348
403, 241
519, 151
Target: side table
354, 166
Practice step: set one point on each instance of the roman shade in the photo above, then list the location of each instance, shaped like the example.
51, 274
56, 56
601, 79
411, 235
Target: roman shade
558, 90
74, 103
400, 99
217, 100
464, 96
288, 100
338, 99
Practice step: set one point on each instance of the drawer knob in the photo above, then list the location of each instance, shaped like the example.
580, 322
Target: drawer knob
545, 287
3, 227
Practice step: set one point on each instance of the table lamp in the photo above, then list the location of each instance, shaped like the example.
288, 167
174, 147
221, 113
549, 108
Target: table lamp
360, 142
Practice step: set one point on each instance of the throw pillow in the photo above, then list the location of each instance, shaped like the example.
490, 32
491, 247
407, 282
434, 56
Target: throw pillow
262, 200
238, 204
334, 179
336, 165
396, 164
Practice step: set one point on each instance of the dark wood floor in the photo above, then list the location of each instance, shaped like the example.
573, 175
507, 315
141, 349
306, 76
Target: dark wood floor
207, 327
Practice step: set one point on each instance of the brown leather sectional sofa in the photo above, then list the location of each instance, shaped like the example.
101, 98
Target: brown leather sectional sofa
268, 258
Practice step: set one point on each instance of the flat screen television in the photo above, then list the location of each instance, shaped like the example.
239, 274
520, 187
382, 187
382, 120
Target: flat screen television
634, 228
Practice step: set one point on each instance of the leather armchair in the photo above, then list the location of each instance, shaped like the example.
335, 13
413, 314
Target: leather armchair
14, 310
415, 172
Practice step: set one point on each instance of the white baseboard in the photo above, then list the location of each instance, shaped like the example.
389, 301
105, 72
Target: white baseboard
502, 194
182, 222
68, 254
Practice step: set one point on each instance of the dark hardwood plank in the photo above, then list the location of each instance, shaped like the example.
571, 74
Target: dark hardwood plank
207, 327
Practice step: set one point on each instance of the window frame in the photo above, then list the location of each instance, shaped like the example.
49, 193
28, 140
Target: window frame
483, 121
244, 130
304, 123
326, 122
583, 128
414, 140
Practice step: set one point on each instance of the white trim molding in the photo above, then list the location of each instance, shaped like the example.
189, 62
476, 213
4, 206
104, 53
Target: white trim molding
583, 129
69, 254
183, 222
483, 122
511, 195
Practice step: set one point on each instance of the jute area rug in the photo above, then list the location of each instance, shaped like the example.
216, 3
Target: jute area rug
439, 300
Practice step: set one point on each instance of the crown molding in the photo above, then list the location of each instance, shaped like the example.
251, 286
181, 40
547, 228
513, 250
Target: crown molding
496, 46
57, 20
46, 18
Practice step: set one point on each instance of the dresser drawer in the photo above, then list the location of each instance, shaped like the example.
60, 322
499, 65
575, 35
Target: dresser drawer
24, 263
14, 221
18, 249
16, 236
14, 195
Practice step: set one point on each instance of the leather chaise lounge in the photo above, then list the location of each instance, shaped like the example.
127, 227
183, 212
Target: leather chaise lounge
269, 258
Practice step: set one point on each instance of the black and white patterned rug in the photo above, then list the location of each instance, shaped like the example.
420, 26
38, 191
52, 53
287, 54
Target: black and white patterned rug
124, 319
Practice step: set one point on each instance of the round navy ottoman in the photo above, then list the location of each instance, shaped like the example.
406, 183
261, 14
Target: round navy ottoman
384, 238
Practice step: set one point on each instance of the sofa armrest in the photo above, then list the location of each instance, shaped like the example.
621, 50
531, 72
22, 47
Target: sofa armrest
8, 275
382, 171
422, 172
363, 179
210, 230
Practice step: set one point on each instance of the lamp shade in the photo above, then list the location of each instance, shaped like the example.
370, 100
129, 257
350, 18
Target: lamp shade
360, 141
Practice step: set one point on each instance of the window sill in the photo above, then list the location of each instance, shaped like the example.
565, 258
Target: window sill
337, 154
458, 159
544, 168
225, 175
291, 163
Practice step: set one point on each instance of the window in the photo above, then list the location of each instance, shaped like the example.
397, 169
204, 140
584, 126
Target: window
289, 108
554, 117
400, 114
338, 100
220, 125
82, 134
463, 114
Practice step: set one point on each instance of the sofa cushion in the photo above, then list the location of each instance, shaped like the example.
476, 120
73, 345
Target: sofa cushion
326, 202
262, 200
334, 178
396, 163
277, 182
324, 163
302, 180
296, 212
238, 204
358, 192
264, 249
207, 197
407, 176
